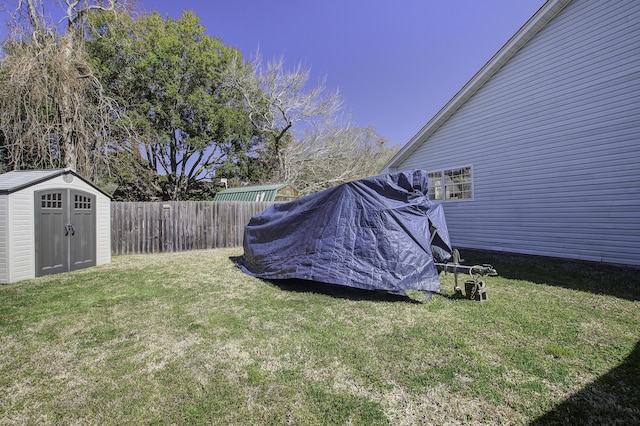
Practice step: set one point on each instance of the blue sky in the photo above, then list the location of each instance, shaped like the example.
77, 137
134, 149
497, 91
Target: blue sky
396, 63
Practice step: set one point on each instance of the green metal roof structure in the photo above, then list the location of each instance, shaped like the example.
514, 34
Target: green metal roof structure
277, 192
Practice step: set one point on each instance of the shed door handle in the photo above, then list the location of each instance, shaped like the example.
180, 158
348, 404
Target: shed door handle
69, 228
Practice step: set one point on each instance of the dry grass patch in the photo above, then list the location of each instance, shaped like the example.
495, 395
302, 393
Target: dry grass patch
187, 338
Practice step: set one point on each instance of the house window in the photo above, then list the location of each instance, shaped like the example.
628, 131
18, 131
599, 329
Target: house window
451, 184
435, 186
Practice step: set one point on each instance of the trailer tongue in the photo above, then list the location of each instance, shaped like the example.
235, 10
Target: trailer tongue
474, 288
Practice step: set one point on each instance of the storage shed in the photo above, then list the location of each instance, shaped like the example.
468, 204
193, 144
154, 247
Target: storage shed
277, 192
51, 221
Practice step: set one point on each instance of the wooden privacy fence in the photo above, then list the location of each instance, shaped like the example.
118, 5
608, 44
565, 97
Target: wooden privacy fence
172, 226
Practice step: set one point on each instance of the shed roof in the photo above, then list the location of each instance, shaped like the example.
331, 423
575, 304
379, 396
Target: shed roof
251, 193
17, 180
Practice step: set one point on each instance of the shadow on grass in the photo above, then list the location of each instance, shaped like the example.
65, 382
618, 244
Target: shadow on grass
598, 278
612, 399
340, 291
337, 291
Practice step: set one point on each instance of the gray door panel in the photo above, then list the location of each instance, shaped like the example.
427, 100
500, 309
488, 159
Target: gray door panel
65, 231
83, 238
50, 241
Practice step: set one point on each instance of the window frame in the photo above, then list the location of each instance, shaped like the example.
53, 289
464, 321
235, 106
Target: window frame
82, 202
441, 188
52, 200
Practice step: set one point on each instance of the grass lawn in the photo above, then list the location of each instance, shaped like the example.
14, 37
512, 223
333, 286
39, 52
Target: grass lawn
187, 338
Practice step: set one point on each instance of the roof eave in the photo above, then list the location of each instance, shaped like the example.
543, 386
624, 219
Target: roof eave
54, 173
549, 10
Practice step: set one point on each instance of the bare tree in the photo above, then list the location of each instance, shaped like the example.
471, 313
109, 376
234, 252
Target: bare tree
333, 153
54, 111
278, 100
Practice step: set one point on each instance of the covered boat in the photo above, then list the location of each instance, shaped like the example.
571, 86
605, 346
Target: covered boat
377, 233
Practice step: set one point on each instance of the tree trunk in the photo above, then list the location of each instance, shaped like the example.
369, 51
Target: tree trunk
66, 105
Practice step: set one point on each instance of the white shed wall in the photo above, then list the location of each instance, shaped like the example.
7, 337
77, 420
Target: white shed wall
21, 236
554, 140
103, 229
4, 251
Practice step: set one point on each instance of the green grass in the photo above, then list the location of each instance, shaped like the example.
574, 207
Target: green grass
189, 339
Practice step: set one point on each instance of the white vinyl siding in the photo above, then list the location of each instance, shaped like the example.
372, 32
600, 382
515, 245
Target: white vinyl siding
554, 138
4, 250
103, 229
21, 235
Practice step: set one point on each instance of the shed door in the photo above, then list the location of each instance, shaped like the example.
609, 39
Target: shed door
82, 240
50, 242
65, 231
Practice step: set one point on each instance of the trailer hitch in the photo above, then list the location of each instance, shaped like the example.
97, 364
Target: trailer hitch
474, 287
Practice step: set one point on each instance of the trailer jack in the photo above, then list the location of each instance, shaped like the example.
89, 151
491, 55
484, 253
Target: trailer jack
474, 288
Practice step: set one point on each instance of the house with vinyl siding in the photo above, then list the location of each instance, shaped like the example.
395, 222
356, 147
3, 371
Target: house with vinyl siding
539, 153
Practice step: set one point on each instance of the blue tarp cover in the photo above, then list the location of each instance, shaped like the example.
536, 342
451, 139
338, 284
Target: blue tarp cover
377, 233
